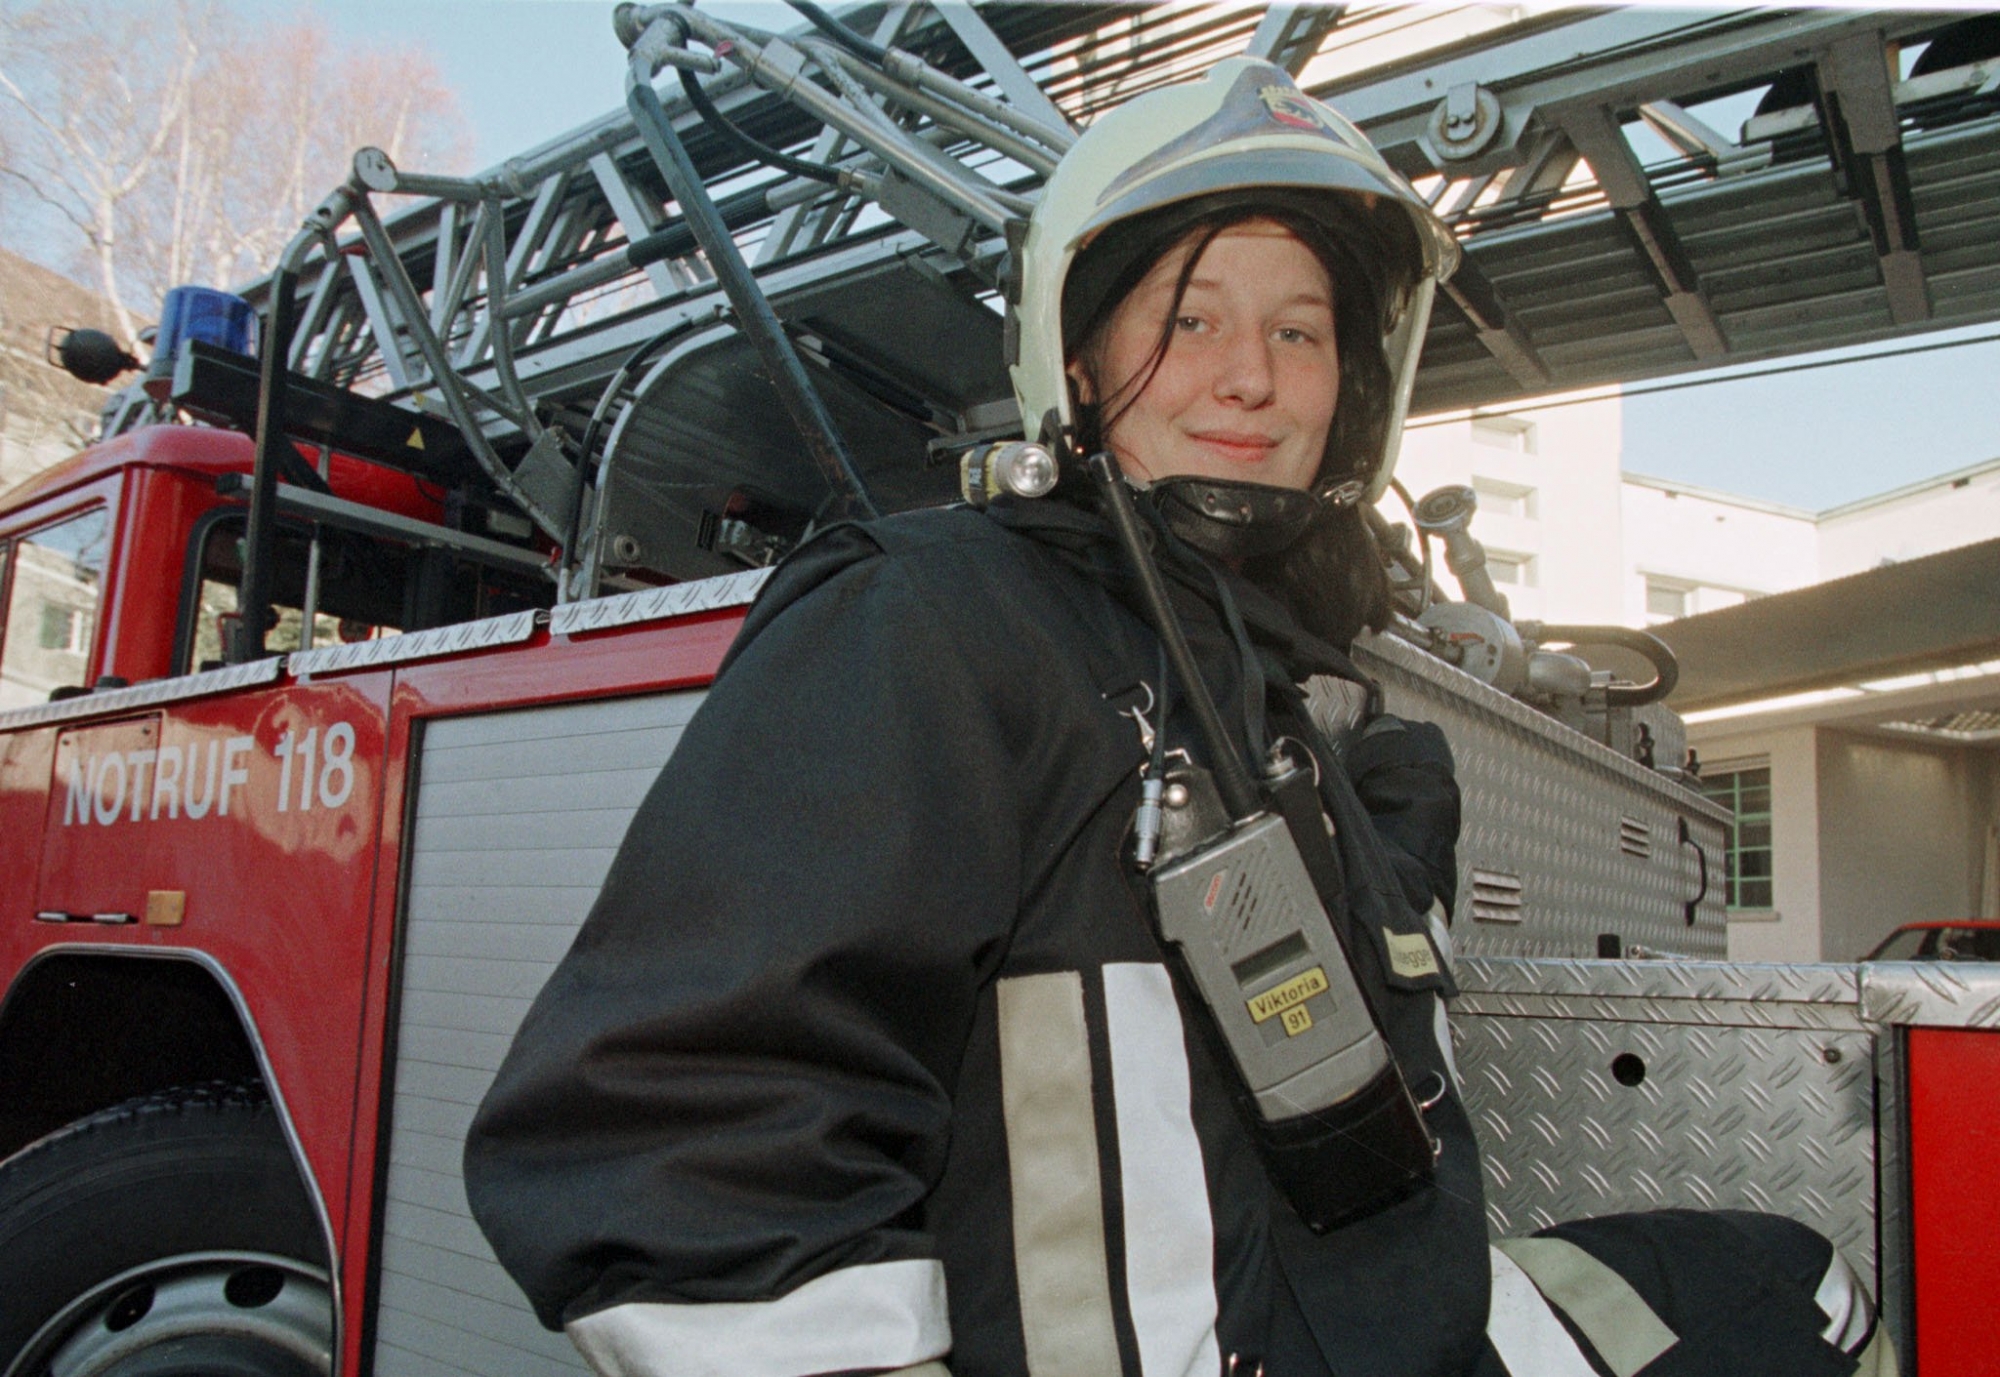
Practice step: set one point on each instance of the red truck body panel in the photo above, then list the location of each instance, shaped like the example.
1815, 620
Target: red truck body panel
1955, 1212
289, 868
270, 820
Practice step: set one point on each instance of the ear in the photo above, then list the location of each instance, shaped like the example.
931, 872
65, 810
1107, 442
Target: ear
1079, 376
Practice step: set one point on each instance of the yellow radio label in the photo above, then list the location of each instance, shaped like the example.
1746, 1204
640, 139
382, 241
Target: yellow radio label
1410, 954
1298, 1018
1293, 992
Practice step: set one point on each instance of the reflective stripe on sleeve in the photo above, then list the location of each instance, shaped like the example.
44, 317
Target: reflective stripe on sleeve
877, 1315
1524, 1331
1624, 1330
1053, 1177
1169, 1234
1844, 1302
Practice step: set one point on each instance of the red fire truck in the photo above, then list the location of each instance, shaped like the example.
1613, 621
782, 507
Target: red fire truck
316, 740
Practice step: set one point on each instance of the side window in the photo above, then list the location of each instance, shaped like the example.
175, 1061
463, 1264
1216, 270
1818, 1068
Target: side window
361, 588
52, 603
345, 612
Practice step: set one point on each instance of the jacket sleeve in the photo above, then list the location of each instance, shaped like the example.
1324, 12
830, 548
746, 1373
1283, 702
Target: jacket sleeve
1403, 773
716, 1124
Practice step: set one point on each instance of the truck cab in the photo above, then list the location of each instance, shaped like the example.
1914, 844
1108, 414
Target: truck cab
121, 563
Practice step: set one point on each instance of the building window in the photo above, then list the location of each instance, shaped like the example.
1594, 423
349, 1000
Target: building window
1504, 432
1666, 600
1501, 498
1745, 792
59, 626
1518, 570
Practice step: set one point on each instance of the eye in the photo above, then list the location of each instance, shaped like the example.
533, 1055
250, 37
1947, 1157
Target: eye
1187, 324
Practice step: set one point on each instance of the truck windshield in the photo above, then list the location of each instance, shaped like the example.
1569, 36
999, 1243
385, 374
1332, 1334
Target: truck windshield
52, 581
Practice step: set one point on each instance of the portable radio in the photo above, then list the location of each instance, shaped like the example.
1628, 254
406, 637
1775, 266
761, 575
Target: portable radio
1339, 1129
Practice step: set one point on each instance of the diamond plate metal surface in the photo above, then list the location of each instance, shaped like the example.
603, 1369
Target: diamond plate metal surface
146, 695
1771, 1087
511, 629
1932, 994
1766, 1118
1586, 840
657, 604
1779, 988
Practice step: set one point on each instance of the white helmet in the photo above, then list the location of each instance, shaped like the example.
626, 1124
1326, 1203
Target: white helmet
1242, 135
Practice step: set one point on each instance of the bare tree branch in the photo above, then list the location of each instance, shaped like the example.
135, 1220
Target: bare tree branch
196, 164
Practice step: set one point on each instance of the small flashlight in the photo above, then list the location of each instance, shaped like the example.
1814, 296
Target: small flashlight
1017, 467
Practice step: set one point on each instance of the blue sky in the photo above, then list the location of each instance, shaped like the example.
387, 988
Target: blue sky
527, 70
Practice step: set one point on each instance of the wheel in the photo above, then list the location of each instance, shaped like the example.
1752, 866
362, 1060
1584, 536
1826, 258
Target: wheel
164, 1237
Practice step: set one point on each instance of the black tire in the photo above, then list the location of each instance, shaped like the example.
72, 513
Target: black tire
168, 1236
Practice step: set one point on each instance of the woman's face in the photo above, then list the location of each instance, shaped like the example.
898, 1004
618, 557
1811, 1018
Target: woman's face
1247, 386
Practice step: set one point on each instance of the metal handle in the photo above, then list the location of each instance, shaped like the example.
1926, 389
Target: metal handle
1701, 856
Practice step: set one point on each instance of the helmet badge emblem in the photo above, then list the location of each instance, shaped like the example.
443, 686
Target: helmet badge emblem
1287, 106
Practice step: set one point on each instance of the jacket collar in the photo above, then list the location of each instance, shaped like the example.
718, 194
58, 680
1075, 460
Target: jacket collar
1081, 538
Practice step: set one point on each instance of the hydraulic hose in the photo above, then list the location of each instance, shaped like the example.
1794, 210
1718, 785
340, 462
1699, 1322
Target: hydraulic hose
1666, 669
744, 143
579, 480
866, 49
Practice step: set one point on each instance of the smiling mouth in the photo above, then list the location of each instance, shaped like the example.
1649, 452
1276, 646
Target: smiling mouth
1243, 448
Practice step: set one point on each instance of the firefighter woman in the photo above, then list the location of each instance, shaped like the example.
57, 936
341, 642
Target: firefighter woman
872, 1057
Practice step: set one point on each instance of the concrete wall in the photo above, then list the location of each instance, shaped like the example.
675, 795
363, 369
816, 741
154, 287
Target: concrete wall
1564, 462
1791, 929
1944, 513
1902, 835
1720, 548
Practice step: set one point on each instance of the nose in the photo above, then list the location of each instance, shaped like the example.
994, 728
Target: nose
1243, 370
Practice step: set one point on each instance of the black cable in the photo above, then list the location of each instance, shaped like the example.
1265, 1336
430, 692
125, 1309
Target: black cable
1232, 779
1156, 766
745, 144
865, 49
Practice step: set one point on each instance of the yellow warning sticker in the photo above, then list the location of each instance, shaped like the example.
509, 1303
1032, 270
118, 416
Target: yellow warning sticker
416, 440
1410, 954
1293, 992
1298, 1018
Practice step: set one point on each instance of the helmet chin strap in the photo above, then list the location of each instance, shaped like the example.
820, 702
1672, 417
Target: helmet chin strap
1234, 520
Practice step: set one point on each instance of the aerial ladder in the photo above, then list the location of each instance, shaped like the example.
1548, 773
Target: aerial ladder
531, 307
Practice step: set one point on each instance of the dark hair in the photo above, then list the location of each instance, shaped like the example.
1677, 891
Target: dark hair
1332, 577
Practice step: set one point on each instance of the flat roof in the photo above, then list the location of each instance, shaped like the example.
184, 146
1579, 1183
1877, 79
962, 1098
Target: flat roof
1935, 612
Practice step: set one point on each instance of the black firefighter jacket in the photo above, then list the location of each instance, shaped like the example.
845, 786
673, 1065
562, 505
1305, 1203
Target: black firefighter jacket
868, 1054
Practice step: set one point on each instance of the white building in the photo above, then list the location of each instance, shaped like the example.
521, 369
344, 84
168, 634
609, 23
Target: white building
1854, 726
